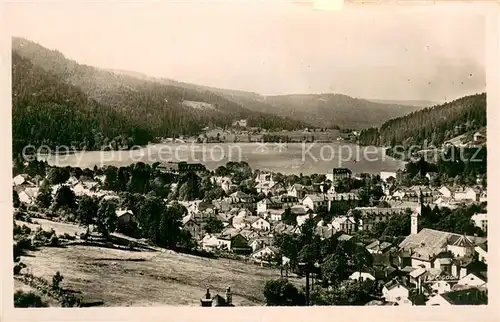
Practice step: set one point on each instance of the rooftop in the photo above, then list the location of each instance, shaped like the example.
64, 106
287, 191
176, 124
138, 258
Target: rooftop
316, 197
428, 243
340, 171
469, 296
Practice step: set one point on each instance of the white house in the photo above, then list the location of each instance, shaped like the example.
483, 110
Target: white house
314, 202
480, 220
28, 195
478, 136
241, 123
85, 188
343, 223
191, 225
259, 243
473, 279
384, 175
299, 191
264, 205
425, 245
377, 247
361, 276
437, 300
72, 180
264, 254
101, 179
446, 202
125, 216
265, 187
21, 179
226, 184
331, 190
467, 194
394, 291
239, 222
441, 286
336, 174
261, 224
482, 252
461, 246
212, 242
446, 192
302, 219
275, 215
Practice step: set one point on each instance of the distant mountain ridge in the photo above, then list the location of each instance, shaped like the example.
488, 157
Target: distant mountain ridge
47, 111
156, 105
159, 107
417, 103
320, 110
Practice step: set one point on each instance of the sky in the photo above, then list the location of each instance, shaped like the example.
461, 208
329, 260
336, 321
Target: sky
271, 48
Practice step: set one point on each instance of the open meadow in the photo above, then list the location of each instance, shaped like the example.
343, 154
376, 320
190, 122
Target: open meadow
145, 278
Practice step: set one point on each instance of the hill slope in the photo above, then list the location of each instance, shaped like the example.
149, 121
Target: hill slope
165, 109
408, 103
435, 124
320, 110
328, 110
49, 112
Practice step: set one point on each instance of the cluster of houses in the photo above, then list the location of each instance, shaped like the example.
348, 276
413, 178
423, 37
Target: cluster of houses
28, 190
445, 196
447, 268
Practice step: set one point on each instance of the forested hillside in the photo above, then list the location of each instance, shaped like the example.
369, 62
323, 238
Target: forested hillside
157, 106
321, 110
434, 124
330, 110
48, 111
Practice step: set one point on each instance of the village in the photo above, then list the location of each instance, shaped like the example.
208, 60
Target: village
242, 131
424, 266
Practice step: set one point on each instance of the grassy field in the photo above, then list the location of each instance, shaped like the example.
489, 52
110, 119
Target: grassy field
147, 278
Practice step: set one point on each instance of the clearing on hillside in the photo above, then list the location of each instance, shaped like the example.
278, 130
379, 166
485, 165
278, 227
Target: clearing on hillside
148, 278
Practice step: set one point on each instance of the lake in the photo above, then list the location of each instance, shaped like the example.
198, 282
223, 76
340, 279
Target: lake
291, 158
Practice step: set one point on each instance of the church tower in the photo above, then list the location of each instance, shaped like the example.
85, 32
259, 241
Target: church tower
416, 213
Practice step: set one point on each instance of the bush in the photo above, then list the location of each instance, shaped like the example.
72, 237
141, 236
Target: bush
128, 229
20, 245
19, 215
281, 292
68, 236
54, 241
29, 299
56, 281
21, 230
18, 267
44, 236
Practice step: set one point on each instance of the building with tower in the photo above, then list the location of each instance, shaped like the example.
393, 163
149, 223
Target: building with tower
416, 213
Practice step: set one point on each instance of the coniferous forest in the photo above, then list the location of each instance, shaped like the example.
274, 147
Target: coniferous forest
433, 125
57, 101
49, 112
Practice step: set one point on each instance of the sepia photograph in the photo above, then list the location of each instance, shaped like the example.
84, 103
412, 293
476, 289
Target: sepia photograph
228, 155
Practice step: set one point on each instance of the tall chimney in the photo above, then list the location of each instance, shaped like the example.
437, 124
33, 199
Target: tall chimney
229, 296
207, 301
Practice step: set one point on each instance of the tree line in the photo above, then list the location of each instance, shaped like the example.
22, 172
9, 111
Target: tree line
48, 112
59, 102
433, 124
